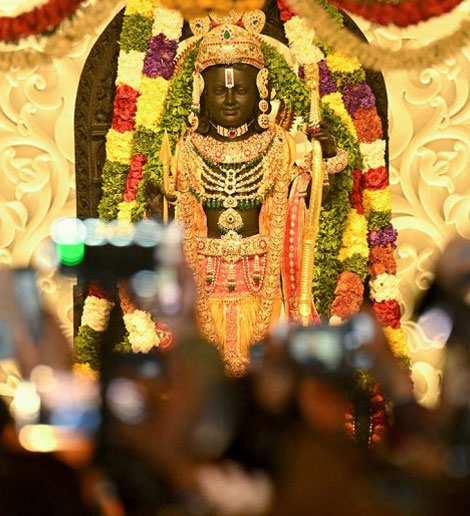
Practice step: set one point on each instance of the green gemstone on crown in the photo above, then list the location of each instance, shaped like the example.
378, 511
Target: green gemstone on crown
227, 34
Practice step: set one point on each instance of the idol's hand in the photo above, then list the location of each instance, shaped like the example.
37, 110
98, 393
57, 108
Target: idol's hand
154, 193
327, 142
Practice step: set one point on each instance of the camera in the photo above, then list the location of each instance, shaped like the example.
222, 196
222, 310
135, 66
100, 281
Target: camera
333, 352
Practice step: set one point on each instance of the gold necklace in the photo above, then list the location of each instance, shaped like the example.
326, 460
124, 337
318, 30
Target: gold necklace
231, 189
232, 152
231, 132
271, 283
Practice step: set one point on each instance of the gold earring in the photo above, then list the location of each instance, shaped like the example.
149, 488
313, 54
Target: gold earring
198, 88
262, 80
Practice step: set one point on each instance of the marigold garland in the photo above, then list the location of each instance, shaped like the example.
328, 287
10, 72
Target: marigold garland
88, 17
349, 101
399, 12
39, 20
144, 67
372, 56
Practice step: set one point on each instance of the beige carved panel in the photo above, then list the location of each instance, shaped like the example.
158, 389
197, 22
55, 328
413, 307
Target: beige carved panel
430, 166
37, 159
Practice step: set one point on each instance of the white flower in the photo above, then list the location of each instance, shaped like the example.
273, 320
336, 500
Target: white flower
301, 36
335, 320
385, 287
130, 68
96, 312
168, 22
142, 333
373, 154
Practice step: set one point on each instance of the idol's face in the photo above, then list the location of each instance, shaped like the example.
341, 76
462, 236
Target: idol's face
231, 101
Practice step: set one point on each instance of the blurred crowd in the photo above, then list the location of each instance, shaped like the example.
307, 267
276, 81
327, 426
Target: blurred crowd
169, 433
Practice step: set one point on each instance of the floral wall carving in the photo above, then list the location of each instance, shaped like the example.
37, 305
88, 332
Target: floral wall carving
429, 152
429, 114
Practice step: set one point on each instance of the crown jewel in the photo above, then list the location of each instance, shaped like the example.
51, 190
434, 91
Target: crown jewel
230, 39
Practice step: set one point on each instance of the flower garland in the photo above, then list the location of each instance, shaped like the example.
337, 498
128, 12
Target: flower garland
86, 19
356, 238
95, 318
372, 56
146, 62
402, 12
39, 20
142, 332
149, 42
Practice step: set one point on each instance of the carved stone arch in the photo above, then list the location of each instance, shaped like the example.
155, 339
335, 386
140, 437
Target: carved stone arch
93, 116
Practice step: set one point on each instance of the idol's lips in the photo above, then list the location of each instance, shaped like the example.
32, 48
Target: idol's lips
230, 112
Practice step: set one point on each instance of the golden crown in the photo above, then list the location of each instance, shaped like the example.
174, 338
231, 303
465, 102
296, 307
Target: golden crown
229, 40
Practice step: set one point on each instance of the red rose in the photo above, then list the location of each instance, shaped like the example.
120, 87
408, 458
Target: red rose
134, 177
388, 312
125, 109
382, 260
285, 11
355, 197
375, 178
96, 291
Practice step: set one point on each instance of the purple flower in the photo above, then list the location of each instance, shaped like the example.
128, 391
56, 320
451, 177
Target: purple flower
327, 83
357, 96
382, 237
301, 72
159, 61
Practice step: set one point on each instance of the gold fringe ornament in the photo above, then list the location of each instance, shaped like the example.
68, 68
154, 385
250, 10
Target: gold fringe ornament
165, 158
313, 215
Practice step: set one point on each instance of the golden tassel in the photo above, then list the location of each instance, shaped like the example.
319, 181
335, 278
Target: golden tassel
165, 157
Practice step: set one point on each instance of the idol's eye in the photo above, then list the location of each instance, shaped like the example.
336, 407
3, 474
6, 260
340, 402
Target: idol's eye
241, 90
219, 90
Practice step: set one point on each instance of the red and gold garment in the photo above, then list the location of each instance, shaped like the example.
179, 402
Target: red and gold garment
240, 292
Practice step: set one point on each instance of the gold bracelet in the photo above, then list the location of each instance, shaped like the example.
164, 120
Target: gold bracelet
338, 163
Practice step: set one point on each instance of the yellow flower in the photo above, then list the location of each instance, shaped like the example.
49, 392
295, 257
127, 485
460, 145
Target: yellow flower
377, 200
354, 237
119, 146
150, 104
142, 7
335, 102
397, 340
130, 67
125, 211
85, 372
338, 62
385, 287
373, 154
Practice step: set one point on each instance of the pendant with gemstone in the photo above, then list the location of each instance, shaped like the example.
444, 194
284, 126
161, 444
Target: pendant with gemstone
230, 220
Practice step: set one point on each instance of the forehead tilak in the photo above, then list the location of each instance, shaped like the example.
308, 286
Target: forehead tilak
229, 78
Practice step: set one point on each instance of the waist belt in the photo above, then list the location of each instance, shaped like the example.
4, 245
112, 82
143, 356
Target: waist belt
232, 246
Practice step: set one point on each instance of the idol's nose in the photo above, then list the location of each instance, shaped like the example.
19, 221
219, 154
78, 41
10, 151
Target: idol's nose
229, 97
